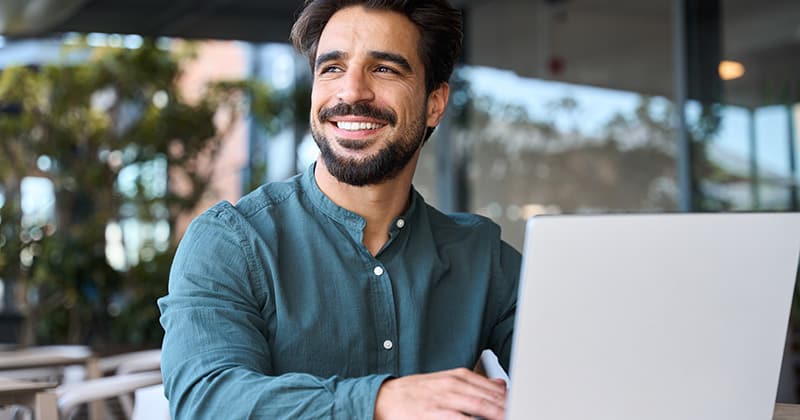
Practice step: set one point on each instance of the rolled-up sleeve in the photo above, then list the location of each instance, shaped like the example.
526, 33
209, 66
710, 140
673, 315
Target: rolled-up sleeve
216, 353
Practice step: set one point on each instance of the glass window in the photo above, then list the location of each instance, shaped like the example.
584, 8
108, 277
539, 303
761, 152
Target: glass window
572, 115
746, 144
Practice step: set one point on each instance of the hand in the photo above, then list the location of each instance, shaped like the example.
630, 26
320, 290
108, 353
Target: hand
452, 394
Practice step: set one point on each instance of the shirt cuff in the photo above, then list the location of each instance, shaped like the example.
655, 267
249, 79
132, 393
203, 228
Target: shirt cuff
355, 397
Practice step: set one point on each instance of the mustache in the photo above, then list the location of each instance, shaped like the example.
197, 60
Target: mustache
358, 109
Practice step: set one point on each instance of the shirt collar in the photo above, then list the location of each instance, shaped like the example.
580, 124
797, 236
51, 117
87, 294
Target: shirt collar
347, 217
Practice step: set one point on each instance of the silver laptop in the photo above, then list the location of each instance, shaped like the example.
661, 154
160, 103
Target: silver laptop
658, 317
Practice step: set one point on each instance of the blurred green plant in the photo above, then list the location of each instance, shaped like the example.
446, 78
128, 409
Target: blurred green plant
109, 129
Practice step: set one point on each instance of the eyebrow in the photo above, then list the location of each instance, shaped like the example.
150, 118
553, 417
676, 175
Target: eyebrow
380, 55
328, 56
391, 57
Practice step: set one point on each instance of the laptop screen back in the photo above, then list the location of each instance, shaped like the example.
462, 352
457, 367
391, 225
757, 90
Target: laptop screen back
632, 317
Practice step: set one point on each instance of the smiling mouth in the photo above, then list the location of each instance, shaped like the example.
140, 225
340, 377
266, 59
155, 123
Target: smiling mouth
358, 126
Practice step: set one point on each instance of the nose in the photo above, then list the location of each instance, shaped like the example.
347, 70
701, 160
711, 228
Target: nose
355, 87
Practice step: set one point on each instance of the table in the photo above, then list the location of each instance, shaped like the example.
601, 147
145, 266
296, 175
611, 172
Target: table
19, 392
44, 356
787, 412
15, 362
24, 363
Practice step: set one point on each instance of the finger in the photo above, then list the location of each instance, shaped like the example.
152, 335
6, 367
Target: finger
446, 414
500, 381
466, 389
474, 406
489, 385
455, 384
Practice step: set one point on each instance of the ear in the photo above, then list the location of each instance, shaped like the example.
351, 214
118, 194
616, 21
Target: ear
437, 103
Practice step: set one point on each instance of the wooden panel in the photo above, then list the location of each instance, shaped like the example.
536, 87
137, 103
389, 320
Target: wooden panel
787, 412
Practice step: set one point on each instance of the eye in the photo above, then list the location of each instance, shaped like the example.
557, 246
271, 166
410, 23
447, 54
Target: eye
385, 69
329, 69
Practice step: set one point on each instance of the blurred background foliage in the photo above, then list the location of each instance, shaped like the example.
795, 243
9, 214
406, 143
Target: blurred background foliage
85, 125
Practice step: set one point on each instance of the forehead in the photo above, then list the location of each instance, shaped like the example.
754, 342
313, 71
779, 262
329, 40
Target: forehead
356, 29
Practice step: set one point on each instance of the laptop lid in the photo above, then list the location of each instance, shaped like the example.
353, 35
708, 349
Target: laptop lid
630, 317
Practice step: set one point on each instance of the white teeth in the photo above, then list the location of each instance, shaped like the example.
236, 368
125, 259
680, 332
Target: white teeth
355, 126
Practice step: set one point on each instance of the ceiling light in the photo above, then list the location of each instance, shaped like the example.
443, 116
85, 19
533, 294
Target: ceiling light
729, 70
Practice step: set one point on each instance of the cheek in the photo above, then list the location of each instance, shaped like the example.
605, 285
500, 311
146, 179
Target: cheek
410, 101
318, 98
314, 102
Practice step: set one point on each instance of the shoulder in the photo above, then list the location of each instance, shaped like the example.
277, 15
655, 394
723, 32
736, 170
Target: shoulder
463, 224
254, 209
471, 233
269, 196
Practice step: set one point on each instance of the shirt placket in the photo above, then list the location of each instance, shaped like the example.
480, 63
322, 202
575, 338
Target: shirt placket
385, 318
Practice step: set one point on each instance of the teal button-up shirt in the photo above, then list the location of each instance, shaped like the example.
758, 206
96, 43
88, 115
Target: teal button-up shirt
277, 310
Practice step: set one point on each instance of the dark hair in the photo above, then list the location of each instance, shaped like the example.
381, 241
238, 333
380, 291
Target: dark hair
439, 25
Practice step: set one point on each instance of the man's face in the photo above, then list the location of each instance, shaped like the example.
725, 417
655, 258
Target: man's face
369, 109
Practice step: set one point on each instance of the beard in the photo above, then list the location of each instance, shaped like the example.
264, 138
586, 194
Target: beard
384, 165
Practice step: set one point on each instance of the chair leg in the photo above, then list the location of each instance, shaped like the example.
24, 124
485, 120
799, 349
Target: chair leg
97, 409
46, 406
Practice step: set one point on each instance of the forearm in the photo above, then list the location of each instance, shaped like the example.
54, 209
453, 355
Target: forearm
241, 393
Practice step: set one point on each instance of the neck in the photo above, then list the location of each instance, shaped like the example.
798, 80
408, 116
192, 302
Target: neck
378, 204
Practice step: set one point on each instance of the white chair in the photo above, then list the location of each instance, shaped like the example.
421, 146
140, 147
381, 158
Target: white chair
151, 404
136, 361
131, 362
61, 402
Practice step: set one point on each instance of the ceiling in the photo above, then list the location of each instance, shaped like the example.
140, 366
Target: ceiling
247, 20
620, 44
628, 44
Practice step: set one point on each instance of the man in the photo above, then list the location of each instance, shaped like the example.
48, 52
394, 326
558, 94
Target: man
339, 293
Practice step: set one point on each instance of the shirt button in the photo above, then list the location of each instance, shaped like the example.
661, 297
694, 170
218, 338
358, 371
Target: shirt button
378, 270
388, 344
400, 223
